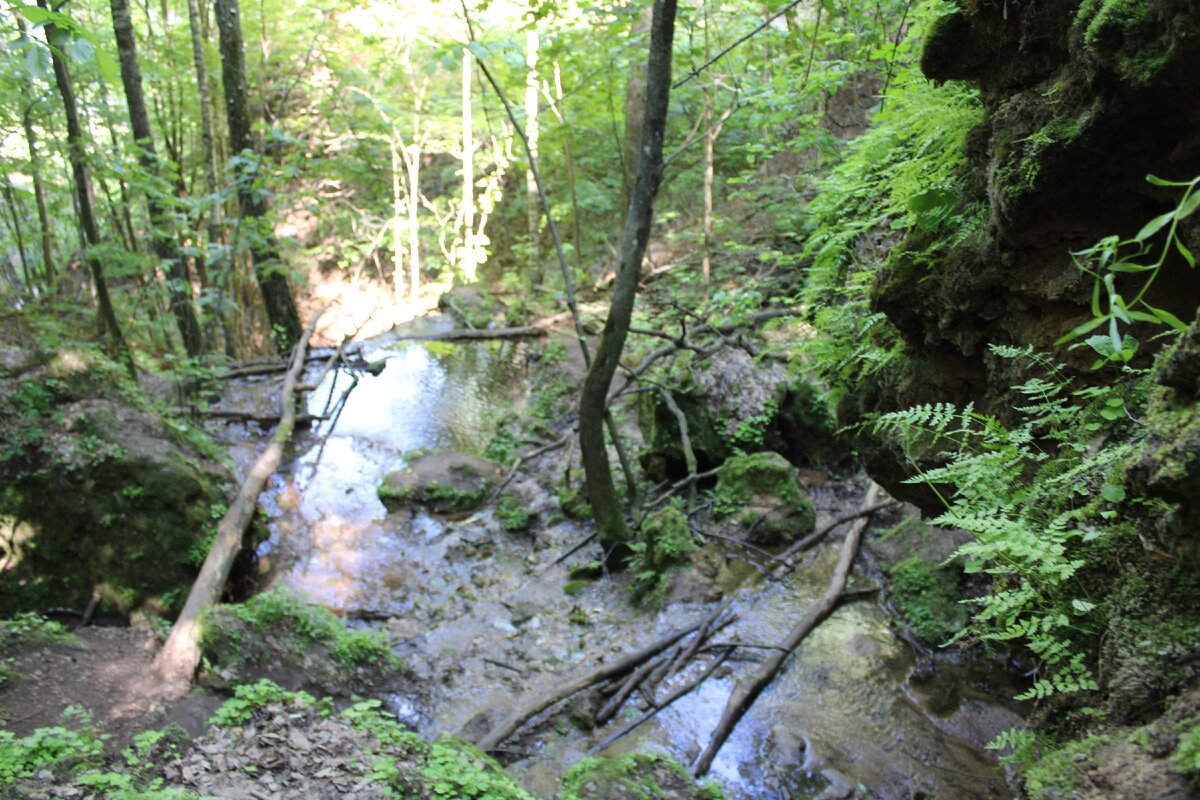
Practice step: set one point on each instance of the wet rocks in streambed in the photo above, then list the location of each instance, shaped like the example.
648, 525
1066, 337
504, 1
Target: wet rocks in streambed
446, 483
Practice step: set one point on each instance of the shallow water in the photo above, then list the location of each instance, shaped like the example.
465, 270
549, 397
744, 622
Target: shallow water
482, 618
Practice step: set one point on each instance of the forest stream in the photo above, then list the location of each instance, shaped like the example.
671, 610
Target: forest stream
480, 615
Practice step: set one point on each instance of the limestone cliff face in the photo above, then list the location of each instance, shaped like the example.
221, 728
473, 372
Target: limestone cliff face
1082, 100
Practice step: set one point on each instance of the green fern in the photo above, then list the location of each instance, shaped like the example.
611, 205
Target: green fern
1027, 492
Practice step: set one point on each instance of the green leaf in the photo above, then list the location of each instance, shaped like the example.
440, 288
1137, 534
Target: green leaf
1112, 492
1185, 252
1167, 317
1154, 226
1157, 181
1188, 206
1080, 330
35, 14
1082, 606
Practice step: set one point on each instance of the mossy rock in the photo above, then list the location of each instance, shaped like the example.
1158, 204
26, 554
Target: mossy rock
447, 483
98, 495
513, 513
472, 306
664, 543
762, 494
574, 503
927, 598
278, 635
641, 776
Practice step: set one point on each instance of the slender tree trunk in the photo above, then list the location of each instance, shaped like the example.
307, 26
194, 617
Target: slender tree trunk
165, 247
215, 216
206, 123
277, 296
39, 196
635, 99
412, 159
532, 215
39, 189
706, 259
18, 235
87, 215
610, 520
468, 170
397, 221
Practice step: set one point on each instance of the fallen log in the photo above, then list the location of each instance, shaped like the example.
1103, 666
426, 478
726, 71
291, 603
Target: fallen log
539, 704
476, 334
176, 662
745, 695
261, 419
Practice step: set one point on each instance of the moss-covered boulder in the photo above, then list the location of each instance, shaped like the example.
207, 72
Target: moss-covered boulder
927, 597
279, 636
761, 492
472, 306
734, 403
642, 776
446, 483
664, 543
97, 495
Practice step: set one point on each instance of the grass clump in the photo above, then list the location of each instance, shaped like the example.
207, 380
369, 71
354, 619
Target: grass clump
448, 769
285, 613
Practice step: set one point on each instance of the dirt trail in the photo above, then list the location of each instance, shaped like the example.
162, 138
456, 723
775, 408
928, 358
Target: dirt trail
107, 673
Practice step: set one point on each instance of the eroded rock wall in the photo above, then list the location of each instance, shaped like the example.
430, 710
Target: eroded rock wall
1082, 101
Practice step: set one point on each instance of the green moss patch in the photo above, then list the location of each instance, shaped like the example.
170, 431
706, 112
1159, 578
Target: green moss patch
762, 494
927, 599
664, 543
279, 635
634, 777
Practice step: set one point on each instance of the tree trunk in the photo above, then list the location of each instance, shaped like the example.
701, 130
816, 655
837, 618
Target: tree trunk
610, 520
397, 221
277, 297
412, 159
165, 247
206, 124
635, 99
39, 189
89, 229
468, 168
39, 196
180, 655
533, 268
18, 235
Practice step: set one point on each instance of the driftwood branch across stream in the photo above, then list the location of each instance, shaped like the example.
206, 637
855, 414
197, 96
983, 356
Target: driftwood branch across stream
176, 662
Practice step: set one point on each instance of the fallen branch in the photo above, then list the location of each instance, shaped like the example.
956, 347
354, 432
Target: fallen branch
177, 661
745, 695
263, 419
820, 533
607, 672
269, 368
671, 698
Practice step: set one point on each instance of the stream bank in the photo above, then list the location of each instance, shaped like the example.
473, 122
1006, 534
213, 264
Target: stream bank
482, 615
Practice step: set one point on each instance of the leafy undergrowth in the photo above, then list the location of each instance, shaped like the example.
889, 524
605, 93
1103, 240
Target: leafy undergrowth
264, 741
